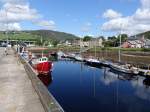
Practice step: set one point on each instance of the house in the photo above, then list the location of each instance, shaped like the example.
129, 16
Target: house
68, 43
134, 42
65, 42
93, 42
147, 43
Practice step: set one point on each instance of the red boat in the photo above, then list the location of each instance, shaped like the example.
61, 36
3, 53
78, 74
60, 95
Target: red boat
42, 65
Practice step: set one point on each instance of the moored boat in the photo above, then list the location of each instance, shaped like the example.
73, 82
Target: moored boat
128, 69
93, 62
42, 65
78, 58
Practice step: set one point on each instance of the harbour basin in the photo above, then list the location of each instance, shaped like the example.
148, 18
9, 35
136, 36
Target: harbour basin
82, 88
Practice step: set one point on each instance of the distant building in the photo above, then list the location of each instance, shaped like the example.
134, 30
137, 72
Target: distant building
147, 43
68, 43
136, 42
93, 42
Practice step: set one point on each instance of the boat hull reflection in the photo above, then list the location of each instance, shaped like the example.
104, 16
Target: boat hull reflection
46, 79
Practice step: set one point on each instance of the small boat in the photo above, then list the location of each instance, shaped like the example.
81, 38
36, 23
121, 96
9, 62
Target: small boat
42, 65
144, 72
124, 68
147, 73
78, 58
93, 62
105, 63
71, 55
60, 53
53, 54
64, 56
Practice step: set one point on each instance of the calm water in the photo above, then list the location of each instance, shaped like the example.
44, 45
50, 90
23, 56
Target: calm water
80, 88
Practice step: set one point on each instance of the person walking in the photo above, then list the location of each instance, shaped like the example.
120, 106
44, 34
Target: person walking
6, 51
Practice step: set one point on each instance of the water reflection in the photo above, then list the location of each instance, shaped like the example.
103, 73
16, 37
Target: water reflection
146, 82
142, 89
112, 76
139, 83
46, 79
79, 88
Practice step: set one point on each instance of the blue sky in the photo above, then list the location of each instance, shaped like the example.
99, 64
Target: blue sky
72, 15
82, 17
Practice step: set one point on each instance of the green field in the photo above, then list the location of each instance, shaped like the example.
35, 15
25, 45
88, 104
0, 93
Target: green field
97, 49
18, 36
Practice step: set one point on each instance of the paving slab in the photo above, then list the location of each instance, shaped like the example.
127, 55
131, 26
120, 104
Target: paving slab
16, 91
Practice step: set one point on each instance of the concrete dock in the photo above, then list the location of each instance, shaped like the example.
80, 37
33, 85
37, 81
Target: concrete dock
16, 91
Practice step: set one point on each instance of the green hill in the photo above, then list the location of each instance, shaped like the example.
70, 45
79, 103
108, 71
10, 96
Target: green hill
140, 35
146, 34
37, 34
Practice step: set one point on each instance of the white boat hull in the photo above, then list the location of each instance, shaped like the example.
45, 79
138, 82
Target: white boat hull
120, 68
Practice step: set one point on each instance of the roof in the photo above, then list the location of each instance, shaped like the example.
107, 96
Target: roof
132, 42
136, 37
147, 43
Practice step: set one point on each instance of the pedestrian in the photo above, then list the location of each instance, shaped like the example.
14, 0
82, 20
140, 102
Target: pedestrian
6, 51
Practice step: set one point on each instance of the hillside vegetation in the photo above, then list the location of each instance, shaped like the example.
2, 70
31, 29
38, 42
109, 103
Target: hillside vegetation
146, 34
37, 35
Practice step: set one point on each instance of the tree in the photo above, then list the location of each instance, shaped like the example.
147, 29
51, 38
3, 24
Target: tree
124, 37
115, 41
55, 42
147, 35
102, 37
40, 42
108, 43
87, 38
111, 42
113, 38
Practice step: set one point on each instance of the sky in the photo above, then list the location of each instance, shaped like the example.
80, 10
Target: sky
79, 17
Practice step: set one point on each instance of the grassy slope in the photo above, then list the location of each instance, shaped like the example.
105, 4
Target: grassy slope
34, 35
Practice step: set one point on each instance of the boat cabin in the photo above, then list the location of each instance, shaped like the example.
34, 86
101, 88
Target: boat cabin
43, 59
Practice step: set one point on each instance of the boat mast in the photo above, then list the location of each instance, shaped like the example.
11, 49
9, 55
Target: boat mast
80, 45
95, 48
120, 45
120, 49
42, 44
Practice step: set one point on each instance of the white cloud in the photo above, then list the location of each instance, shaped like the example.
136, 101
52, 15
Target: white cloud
46, 24
10, 26
111, 14
13, 12
17, 13
115, 24
136, 23
14, 26
12, 1
22, 2
142, 14
145, 3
